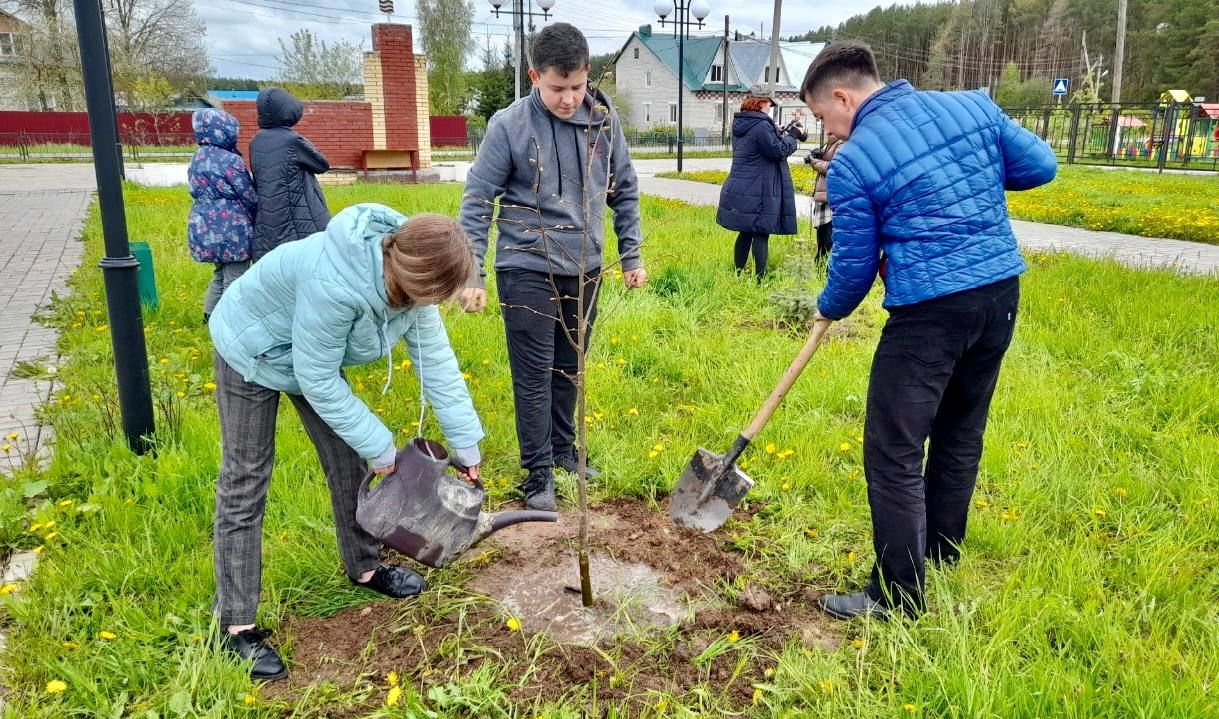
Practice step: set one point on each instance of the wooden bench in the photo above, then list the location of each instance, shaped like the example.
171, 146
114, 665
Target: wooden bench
398, 159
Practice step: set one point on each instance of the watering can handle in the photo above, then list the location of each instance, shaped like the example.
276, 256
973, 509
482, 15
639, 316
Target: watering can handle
465, 473
789, 379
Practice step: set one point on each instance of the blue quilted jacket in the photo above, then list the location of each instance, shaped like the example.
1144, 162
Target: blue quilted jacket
220, 218
918, 195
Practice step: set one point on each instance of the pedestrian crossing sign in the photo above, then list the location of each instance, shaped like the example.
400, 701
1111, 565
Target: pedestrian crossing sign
1060, 86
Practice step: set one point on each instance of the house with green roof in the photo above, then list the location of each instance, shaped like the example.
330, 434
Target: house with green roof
646, 75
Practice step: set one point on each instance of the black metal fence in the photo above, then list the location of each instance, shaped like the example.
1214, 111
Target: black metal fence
68, 146
1163, 135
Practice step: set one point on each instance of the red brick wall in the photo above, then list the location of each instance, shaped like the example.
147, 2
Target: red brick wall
394, 44
339, 129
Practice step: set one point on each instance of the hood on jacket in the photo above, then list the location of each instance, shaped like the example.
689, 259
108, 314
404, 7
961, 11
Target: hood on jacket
215, 127
745, 121
353, 243
278, 108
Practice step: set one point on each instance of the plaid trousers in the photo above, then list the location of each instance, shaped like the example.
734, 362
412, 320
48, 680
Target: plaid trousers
247, 436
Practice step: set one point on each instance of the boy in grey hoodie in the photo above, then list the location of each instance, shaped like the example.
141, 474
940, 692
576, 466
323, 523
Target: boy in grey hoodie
555, 160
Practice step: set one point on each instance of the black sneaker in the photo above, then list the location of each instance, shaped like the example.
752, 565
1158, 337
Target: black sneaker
852, 606
538, 489
568, 462
396, 582
251, 646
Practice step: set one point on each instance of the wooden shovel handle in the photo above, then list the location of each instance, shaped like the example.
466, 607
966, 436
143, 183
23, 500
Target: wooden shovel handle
789, 379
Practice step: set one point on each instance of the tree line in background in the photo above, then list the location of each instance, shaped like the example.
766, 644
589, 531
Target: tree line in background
1018, 47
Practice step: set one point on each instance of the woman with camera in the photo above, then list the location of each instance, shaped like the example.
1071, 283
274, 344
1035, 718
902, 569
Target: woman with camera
758, 199
823, 216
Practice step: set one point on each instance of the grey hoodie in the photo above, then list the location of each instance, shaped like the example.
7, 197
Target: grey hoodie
549, 189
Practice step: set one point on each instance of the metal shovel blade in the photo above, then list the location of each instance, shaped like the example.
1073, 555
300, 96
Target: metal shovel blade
707, 492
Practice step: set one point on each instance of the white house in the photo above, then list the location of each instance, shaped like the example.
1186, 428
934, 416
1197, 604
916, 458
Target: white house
645, 72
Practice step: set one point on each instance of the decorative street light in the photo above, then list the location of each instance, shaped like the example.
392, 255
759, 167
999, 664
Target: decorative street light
681, 29
519, 13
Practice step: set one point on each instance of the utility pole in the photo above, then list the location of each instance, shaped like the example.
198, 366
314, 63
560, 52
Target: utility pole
774, 48
1120, 52
119, 267
518, 37
724, 77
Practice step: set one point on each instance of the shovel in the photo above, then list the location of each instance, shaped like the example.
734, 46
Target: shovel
713, 485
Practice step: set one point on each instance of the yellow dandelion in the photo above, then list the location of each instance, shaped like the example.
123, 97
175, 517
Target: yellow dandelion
393, 697
633, 411
981, 504
49, 524
71, 645
108, 636
56, 686
859, 438
51, 536
653, 454
658, 447
768, 672
634, 338
249, 700
164, 360
7, 448
850, 556
103, 328
910, 707
466, 375
209, 386
392, 679
661, 705
96, 397
1120, 492
858, 644
827, 686
844, 447
38, 550
513, 624
1098, 512
770, 448
7, 589
12, 436
614, 340
757, 696
734, 636
180, 394
786, 453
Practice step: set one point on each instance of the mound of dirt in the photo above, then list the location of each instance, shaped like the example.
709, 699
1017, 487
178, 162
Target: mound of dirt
647, 574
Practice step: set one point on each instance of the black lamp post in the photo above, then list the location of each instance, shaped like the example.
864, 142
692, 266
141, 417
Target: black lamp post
681, 28
119, 267
519, 13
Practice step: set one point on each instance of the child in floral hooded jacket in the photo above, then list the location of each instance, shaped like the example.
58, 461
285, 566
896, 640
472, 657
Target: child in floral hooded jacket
223, 214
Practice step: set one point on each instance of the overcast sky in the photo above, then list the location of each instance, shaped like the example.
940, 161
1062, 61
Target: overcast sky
241, 34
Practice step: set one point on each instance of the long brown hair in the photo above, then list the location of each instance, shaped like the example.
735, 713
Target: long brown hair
428, 259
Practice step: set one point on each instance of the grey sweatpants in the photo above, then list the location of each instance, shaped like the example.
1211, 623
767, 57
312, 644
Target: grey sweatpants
247, 436
225, 274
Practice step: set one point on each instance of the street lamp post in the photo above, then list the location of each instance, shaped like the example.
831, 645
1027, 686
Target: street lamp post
681, 28
519, 13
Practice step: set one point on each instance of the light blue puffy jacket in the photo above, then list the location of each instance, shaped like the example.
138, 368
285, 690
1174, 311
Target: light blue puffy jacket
309, 308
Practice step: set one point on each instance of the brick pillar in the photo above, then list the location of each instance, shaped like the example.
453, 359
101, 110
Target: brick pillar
423, 111
393, 44
374, 95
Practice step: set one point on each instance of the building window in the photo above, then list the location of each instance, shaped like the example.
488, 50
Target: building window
647, 112
717, 73
672, 112
636, 53
647, 79
10, 44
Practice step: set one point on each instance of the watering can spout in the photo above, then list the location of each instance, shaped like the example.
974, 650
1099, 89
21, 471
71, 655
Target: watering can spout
491, 523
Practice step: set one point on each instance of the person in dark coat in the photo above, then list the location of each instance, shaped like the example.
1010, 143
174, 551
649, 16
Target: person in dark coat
758, 199
286, 165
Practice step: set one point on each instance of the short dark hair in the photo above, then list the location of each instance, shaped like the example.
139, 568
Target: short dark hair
849, 63
561, 46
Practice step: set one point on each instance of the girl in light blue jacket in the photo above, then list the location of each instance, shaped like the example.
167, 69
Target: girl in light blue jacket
306, 310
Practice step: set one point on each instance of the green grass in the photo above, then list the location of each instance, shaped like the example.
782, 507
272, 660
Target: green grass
1182, 207
1089, 586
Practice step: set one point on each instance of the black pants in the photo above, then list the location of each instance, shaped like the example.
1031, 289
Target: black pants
933, 377
825, 241
760, 243
541, 325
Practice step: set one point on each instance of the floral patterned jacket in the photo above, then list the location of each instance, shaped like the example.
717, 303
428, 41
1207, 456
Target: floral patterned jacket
223, 213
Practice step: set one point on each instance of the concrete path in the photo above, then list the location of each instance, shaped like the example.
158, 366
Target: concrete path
42, 210
1130, 250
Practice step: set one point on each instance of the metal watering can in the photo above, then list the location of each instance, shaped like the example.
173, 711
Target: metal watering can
428, 514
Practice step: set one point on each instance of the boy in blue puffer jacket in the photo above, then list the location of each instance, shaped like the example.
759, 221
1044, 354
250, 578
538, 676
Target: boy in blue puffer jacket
918, 197
223, 213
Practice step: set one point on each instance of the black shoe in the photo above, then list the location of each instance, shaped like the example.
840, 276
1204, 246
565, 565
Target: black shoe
851, 606
538, 489
396, 582
568, 462
251, 646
